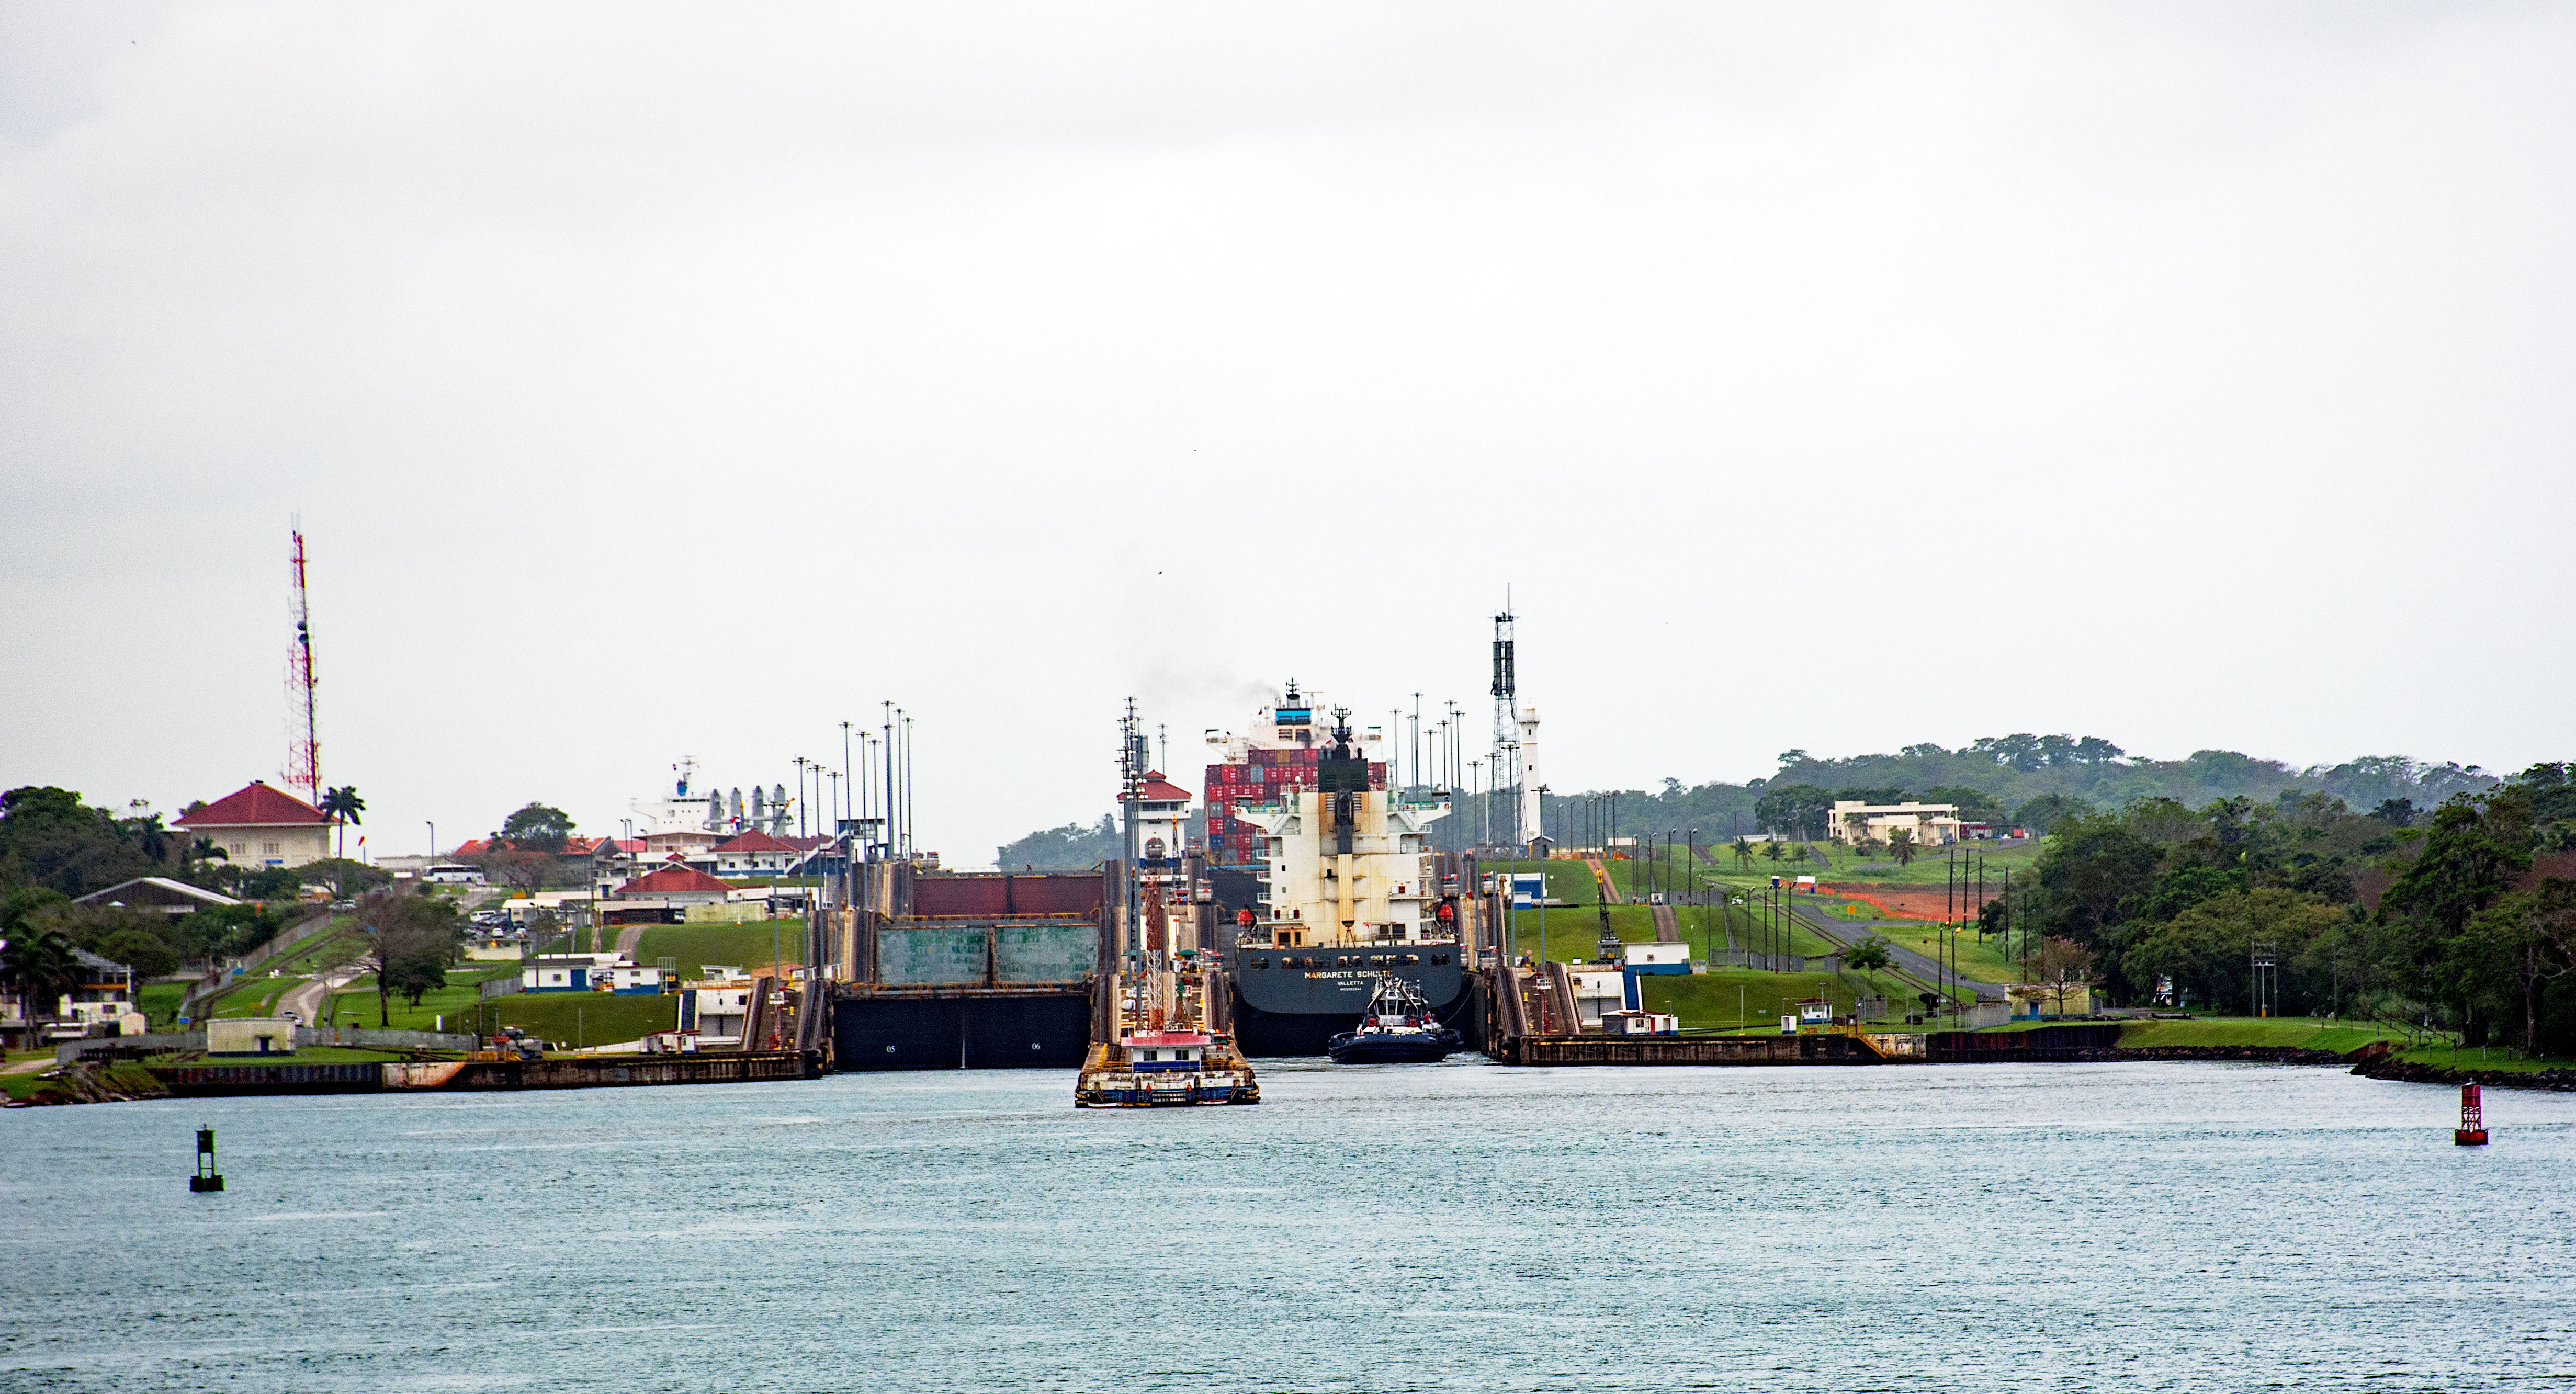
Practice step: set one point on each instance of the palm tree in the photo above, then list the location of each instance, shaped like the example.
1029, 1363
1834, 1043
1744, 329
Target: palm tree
1901, 842
344, 804
38, 967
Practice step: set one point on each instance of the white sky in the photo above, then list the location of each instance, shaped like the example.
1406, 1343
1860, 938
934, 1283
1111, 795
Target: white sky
684, 381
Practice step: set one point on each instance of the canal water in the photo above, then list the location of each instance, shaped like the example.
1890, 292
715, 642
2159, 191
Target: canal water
1460, 1227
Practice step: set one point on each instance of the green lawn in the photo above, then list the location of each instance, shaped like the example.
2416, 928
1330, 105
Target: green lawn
453, 1002
578, 1018
2303, 1033
744, 946
159, 1003
1574, 934
1710, 1001
2499, 1058
1979, 960
255, 996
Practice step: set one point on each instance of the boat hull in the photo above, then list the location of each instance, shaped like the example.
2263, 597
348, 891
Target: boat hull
1284, 1007
1385, 1049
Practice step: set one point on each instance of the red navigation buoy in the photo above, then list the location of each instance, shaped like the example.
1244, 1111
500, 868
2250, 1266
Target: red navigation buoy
2472, 1131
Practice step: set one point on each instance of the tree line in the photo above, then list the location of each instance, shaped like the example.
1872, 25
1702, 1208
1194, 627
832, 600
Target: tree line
2462, 917
2023, 780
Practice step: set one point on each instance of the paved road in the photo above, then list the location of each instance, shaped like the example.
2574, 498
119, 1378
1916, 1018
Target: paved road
1845, 933
629, 939
306, 1001
1668, 927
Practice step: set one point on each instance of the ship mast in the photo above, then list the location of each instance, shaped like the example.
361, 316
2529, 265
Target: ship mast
1131, 784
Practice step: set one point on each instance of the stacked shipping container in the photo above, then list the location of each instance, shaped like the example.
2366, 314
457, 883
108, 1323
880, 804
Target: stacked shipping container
1264, 777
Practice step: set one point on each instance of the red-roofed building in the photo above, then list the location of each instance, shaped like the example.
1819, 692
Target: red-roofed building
676, 885
258, 826
1162, 816
755, 854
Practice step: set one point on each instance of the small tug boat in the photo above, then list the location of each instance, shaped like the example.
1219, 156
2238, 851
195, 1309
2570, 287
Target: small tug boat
1399, 1029
1149, 1069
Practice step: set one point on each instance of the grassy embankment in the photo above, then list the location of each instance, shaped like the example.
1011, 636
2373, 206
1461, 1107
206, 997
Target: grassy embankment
335, 941
1729, 998
749, 947
159, 1003
588, 1018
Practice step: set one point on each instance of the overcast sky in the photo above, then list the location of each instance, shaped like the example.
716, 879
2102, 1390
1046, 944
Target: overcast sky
685, 381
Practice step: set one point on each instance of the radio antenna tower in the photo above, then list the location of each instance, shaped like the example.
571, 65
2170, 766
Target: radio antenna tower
303, 750
1505, 769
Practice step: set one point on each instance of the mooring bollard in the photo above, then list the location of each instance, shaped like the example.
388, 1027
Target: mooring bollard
205, 1179
2472, 1131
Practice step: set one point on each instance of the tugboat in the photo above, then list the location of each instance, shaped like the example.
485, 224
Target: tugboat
1399, 1029
1148, 1069
1163, 1046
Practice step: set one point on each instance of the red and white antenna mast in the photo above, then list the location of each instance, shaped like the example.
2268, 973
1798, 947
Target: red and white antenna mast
303, 751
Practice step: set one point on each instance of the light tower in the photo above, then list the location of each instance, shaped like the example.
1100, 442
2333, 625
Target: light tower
1504, 785
303, 749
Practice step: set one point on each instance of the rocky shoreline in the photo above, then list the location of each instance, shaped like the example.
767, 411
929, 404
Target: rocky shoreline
2368, 1063
2409, 1072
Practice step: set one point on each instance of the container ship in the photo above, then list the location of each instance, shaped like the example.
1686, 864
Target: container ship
1325, 879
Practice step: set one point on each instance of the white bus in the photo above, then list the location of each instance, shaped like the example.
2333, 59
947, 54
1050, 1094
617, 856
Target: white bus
453, 874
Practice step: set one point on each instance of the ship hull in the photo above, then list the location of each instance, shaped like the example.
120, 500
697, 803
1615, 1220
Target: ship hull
1391, 1049
1280, 1009
961, 1031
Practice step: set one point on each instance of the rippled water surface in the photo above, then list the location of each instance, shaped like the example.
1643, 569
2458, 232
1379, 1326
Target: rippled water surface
1469, 1227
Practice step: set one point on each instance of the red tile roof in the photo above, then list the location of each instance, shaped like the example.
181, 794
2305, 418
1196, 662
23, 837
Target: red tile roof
754, 841
253, 805
573, 847
1156, 789
672, 880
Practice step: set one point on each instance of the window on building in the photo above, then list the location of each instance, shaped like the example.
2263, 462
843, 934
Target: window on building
268, 849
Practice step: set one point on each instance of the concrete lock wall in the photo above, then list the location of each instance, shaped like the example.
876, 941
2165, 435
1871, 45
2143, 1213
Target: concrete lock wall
946, 954
1045, 953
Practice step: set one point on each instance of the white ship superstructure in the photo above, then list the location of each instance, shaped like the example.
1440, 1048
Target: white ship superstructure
1345, 864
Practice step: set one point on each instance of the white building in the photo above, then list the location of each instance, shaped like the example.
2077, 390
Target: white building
1927, 824
257, 826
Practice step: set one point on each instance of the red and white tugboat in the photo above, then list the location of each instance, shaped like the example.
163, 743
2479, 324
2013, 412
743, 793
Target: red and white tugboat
1161, 1051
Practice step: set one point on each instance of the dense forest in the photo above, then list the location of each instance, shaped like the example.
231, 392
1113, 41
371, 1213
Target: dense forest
2461, 917
2024, 780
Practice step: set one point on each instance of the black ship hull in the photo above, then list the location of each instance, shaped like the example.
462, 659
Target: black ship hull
1391, 1048
1282, 1006
961, 1031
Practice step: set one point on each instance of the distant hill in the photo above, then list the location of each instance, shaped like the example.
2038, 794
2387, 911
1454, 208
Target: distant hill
1072, 847
2018, 778
2044, 775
